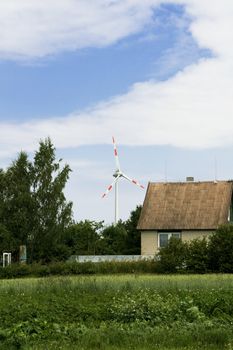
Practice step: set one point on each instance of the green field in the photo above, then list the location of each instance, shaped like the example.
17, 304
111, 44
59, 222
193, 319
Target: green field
117, 312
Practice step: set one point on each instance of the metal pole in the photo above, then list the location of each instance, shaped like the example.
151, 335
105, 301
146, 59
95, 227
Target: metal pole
116, 202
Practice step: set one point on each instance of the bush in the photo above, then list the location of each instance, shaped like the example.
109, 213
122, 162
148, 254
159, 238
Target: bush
197, 256
15, 270
221, 249
172, 257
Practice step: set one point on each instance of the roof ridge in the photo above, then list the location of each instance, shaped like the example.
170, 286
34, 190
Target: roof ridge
191, 182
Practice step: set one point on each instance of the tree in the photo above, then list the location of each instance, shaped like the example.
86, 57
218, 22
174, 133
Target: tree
15, 204
221, 249
7, 241
113, 239
2, 194
133, 240
52, 213
83, 238
18, 208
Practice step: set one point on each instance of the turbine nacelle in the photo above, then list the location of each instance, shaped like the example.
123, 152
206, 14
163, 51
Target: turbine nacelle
117, 173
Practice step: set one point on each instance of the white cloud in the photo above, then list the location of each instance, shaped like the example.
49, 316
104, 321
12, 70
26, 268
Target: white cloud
192, 109
212, 24
33, 29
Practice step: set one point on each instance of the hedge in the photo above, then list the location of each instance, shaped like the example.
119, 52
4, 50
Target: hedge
75, 268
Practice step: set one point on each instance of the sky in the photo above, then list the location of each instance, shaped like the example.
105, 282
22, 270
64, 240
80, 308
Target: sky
157, 75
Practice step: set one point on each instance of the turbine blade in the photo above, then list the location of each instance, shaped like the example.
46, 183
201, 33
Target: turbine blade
110, 187
116, 154
135, 182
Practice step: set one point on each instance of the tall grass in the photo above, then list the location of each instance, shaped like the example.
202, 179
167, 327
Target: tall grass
117, 312
119, 282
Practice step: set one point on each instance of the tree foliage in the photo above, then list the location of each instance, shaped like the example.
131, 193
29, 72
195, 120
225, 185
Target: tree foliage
83, 238
197, 256
221, 249
133, 239
113, 239
33, 207
52, 213
7, 240
16, 202
19, 204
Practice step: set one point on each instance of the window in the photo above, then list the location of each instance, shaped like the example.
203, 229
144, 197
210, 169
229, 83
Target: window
164, 237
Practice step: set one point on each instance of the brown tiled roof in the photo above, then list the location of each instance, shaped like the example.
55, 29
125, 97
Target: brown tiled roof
186, 205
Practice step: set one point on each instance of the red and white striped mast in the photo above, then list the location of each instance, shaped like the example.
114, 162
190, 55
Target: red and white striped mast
118, 174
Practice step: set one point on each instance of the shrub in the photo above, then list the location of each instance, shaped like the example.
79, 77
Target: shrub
197, 257
172, 257
75, 268
15, 270
221, 249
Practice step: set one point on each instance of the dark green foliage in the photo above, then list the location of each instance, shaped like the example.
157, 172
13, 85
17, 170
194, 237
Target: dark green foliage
172, 257
16, 205
74, 268
113, 240
83, 238
133, 239
197, 256
52, 213
33, 208
2, 194
19, 206
7, 241
221, 249
93, 238
214, 254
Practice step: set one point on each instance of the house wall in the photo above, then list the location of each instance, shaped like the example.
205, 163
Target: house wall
149, 239
149, 242
189, 235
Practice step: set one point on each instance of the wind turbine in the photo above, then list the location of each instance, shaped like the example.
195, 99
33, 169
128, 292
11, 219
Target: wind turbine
118, 174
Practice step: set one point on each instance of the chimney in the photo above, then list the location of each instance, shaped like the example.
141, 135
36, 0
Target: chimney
189, 179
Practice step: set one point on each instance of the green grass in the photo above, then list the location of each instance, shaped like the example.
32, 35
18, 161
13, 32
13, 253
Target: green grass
117, 312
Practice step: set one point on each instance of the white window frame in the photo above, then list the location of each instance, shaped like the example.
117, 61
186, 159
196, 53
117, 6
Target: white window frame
169, 235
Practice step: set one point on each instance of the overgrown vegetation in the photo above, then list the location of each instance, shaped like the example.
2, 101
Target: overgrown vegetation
117, 312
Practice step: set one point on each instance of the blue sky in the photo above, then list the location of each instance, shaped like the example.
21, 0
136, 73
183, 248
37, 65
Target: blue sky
75, 80
155, 75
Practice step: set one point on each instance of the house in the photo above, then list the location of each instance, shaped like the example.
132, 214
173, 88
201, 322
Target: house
185, 210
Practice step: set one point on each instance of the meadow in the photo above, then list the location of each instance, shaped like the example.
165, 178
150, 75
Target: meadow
129, 311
